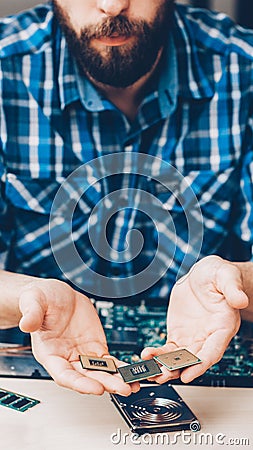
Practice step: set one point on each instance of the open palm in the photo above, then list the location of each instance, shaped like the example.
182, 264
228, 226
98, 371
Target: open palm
64, 324
203, 315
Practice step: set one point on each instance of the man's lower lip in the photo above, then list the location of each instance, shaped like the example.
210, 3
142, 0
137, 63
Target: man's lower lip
114, 40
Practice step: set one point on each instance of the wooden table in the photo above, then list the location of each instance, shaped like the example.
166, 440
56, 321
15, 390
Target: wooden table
66, 420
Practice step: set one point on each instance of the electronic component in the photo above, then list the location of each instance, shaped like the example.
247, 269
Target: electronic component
18, 361
148, 317
16, 401
124, 339
178, 359
156, 409
139, 371
95, 363
131, 325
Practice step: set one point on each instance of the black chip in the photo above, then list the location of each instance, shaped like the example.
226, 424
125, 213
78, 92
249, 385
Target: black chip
124, 339
95, 362
3, 394
22, 403
10, 399
139, 371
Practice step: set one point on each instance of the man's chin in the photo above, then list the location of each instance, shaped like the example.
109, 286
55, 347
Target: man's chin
114, 68
116, 81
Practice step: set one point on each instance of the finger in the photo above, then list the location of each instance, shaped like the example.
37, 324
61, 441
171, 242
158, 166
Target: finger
135, 386
167, 375
150, 352
33, 309
66, 376
210, 353
112, 383
229, 282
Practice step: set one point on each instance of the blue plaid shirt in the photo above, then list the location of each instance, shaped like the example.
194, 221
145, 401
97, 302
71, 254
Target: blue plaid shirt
197, 116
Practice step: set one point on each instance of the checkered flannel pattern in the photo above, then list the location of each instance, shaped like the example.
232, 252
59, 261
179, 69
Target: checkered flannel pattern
197, 116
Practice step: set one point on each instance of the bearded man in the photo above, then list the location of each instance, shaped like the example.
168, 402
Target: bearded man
126, 163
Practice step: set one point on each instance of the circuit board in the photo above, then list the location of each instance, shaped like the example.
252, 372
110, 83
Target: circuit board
130, 328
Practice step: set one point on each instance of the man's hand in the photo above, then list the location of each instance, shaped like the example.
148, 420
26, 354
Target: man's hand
64, 324
203, 315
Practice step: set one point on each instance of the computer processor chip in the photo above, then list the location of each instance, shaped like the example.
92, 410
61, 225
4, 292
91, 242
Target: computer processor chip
139, 371
177, 359
95, 363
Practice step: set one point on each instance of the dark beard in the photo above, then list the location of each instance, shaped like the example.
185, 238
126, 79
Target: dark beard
119, 66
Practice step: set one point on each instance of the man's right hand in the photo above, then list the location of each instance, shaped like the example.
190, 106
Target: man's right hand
64, 324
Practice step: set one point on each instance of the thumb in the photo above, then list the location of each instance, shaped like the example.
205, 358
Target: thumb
33, 309
150, 352
229, 282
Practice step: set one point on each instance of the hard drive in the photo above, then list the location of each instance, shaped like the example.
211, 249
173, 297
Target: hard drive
156, 409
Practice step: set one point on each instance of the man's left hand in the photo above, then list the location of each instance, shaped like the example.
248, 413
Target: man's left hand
203, 315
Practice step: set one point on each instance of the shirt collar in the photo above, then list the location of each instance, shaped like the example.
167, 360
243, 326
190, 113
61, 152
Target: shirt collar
168, 79
195, 67
73, 86
68, 89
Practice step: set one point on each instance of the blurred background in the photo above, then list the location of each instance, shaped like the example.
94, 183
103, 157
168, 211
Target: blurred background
240, 10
